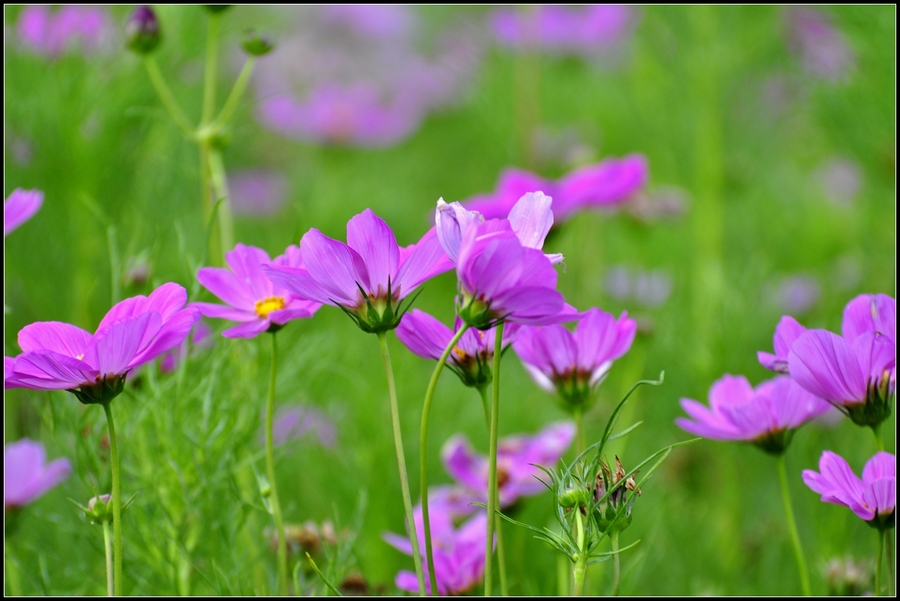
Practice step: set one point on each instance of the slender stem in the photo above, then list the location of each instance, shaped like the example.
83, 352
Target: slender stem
486, 404
492, 465
617, 566
579, 430
501, 553
210, 69
167, 98
236, 92
876, 430
270, 470
423, 454
107, 546
216, 256
116, 497
562, 576
792, 527
401, 463
888, 548
580, 568
878, 567
220, 188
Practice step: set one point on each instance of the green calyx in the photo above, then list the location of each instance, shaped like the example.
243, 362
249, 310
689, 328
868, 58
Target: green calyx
104, 391
775, 443
476, 312
378, 314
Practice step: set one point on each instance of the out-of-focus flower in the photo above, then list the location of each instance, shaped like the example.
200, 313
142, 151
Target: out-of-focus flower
296, 421
848, 578
51, 32
794, 294
606, 184
368, 277
648, 288
257, 192
841, 179
573, 364
137, 270
253, 300
59, 356
873, 498
857, 371
565, 147
142, 32
470, 359
458, 552
19, 207
517, 457
26, 473
586, 30
308, 537
766, 416
786, 332
256, 44
201, 338
356, 75
821, 46
666, 203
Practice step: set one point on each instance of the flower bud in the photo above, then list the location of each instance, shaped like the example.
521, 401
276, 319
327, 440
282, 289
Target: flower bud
256, 44
142, 30
99, 509
574, 497
216, 8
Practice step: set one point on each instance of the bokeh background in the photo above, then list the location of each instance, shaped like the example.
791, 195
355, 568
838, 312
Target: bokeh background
770, 135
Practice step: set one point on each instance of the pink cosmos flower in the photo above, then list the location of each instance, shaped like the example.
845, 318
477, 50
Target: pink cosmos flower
51, 32
59, 356
574, 364
19, 207
821, 46
766, 416
458, 551
786, 333
257, 192
470, 359
517, 457
367, 277
26, 473
609, 183
873, 498
253, 300
857, 371
295, 421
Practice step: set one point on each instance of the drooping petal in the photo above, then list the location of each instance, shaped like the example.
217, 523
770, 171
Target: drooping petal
55, 336
224, 312
371, 237
335, 268
423, 334
250, 329
540, 378
824, 364
881, 465
19, 207
533, 305
46, 370
282, 316
451, 221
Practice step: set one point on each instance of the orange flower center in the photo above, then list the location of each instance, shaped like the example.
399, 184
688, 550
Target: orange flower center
267, 305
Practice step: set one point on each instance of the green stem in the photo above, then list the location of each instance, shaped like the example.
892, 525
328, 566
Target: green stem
580, 568
579, 431
107, 546
878, 567
876, 430
216, 257
792, 527
236, 92
220, 188
270, 470
492, 465
617, 566
210, 69
486, 404
423, 454
562, 576
13, 573
116, 497
888, 548
501, 553
401, 463
167, 98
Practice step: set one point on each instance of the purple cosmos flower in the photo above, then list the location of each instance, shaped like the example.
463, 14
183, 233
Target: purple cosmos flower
786, 332
873, 498
517, 457
471, 357
841, 179
59, 356
857, 371
794, 294
607, 184
51, 32
574, 364
295, 421
458, 552
368, 277
26, 475
821, 46
257, 192
253, 300
201, 338
19, 207
766, 416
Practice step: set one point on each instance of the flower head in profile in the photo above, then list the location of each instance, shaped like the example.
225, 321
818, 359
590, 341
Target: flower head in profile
856, 371
367, 277
606, 184
19, 207
786, 333
458, 551
253, 300
873, 498
766, 416
26, 473
59, 356
517, 458
573, 364
470, 359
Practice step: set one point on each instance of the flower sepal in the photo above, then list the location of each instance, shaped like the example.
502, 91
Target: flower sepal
101, 393
882, 522
378, 314
476, 313
775, 442
877, 406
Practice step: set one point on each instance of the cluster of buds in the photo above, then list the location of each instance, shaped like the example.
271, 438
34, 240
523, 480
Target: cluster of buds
608, 502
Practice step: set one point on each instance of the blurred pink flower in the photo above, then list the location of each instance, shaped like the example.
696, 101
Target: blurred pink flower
820, 45
27, 475
257, 192
648, 288
796, 294
202, 337
19, 207
841, 179
295, 421
51, 32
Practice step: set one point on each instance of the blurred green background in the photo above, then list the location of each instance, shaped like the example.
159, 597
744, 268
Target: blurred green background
715, 98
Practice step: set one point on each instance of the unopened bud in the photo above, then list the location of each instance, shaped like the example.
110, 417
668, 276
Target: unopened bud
99, 509
256, 44
142, 30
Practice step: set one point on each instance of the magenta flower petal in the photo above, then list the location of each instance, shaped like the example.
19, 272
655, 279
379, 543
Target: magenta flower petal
872, 498
824, 364
223, 311
608, 183
451, 221
371, 237
870, 313
463, 464
173, 332
335, 267
426, 260
225, 285
46, 370
19, 207
298, 282
26, 475
786, 332
250, 329
531, 219
54, 336
423, 334
115, 349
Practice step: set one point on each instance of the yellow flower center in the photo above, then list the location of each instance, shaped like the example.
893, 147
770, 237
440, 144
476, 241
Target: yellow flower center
459, 352
80, 357
267, 305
